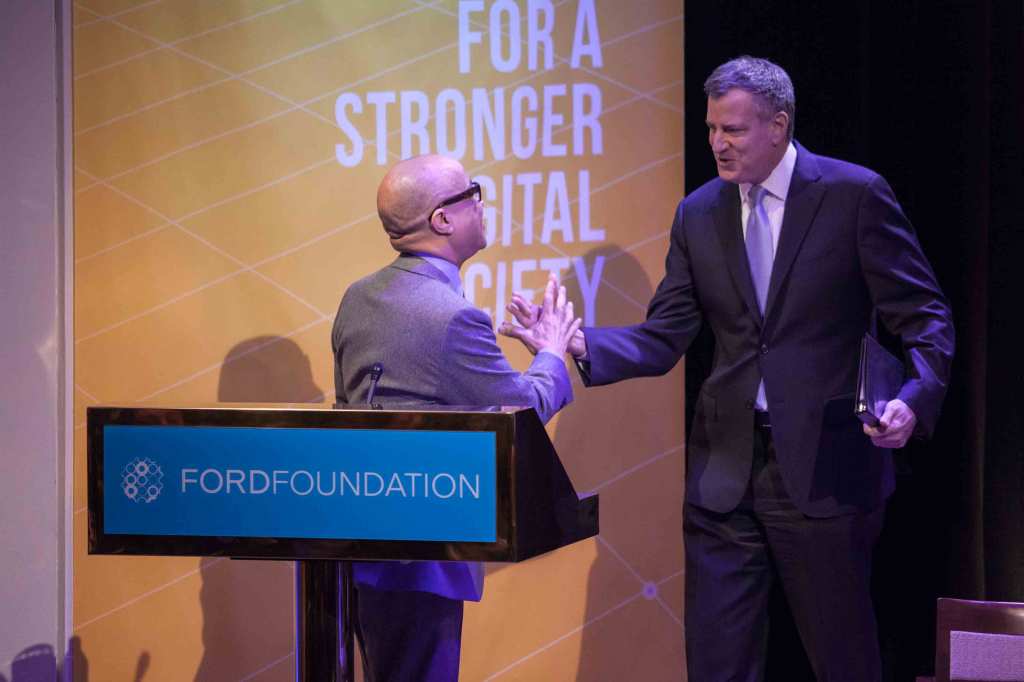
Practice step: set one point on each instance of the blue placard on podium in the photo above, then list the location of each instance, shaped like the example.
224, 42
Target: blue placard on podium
312, 482
352, 484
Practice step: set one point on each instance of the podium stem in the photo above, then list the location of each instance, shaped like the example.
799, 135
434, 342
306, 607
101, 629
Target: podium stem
321, 586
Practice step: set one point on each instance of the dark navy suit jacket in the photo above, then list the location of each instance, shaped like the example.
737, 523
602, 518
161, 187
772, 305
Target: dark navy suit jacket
845, 248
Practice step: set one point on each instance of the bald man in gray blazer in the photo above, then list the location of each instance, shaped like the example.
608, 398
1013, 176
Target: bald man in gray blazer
436, 349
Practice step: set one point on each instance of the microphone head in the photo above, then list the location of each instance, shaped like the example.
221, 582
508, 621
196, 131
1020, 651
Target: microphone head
376, 371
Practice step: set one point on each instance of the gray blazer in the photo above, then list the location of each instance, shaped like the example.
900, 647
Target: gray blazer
436, 349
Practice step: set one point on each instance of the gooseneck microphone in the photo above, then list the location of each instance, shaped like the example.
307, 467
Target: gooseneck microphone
375, 372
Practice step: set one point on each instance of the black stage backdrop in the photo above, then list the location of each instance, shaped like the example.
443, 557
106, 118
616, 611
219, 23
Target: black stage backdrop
929, 94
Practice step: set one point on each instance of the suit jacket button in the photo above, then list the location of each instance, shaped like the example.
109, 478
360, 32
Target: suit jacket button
764, 349
749, 404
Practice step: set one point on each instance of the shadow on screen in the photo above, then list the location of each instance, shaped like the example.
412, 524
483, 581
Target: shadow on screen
248, 605
76, 665
38, 663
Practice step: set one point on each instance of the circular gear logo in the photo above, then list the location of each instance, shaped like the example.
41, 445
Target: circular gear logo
142, 480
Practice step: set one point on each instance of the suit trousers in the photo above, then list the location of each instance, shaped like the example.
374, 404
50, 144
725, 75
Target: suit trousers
408, 635
824, 564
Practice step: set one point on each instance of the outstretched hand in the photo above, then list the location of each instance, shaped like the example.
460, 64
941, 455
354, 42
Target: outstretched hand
894, 427
550, 326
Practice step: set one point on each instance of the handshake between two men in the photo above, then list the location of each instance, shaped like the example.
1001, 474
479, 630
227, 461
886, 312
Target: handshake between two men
788, 257
533, 323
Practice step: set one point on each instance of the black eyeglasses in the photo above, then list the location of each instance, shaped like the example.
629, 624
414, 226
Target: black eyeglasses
472, 191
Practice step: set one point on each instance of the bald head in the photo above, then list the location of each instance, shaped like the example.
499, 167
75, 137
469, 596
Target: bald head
408, 193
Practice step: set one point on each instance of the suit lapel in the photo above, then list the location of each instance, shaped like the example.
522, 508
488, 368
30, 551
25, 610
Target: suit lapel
726, 214
805, 194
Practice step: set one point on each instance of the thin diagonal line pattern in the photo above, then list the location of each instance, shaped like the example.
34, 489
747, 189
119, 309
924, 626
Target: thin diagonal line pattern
604, 614
643, 582
626, 473
240, 75
102, 17
268, 666
252, 268
243, 268
140, 55
148, 593
216, 366
303, 106
635, 95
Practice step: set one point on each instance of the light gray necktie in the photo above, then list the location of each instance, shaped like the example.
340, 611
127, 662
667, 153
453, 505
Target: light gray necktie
760, 251
760, 254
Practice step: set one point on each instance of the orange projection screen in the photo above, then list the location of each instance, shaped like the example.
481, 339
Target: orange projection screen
227, 156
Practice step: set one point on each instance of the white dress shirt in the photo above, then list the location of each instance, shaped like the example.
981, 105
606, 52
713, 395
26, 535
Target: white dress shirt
774, 200
776, 187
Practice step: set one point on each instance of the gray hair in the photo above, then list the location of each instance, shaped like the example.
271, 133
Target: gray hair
767, 81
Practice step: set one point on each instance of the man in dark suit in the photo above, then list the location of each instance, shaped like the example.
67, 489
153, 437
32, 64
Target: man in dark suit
436, 349
788, 257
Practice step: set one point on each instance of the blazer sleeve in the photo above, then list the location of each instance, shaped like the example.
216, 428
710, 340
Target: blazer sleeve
908, 299
654, 346
474, 371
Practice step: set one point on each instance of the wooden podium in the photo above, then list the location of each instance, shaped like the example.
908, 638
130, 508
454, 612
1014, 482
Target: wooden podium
324, 486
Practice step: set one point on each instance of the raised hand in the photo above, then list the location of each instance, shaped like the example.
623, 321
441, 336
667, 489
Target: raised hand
550, 326
526, 313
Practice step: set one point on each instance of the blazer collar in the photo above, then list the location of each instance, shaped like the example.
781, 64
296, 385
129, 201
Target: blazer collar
802, 201
419, 266
726, 214
805, 194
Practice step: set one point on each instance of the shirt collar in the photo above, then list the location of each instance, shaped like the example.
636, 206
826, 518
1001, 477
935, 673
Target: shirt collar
448, 269
777, 182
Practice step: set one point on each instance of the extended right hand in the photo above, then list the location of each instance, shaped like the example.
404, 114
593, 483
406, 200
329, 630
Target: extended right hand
527, 315
551, 326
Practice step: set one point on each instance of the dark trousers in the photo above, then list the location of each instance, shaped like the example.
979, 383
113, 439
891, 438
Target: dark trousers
408, 636
824, 566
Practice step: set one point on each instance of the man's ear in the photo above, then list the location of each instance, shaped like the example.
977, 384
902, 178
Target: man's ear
780, 126
440, 224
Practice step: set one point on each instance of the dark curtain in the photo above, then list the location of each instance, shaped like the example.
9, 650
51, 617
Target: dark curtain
931, 95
